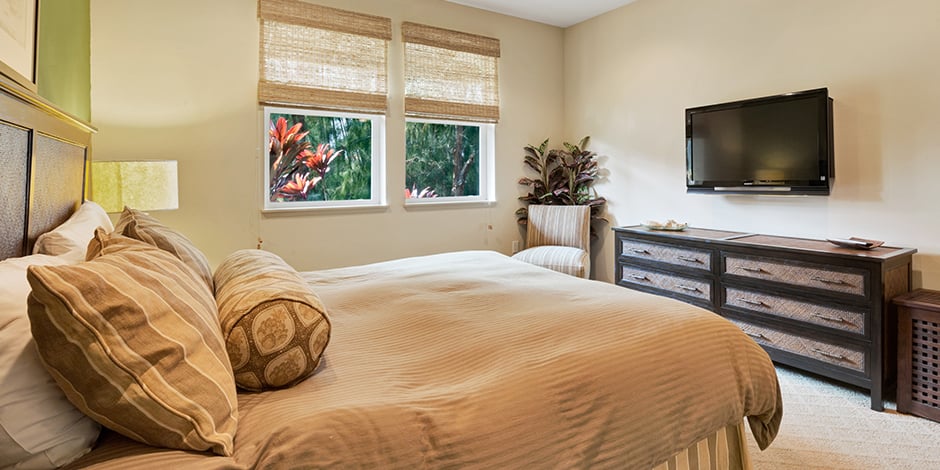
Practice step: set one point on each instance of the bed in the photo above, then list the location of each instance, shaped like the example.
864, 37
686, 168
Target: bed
461, 360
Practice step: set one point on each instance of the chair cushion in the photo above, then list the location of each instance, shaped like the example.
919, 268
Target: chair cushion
559, 225
573, 261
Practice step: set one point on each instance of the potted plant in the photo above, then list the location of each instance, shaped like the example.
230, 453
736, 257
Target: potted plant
565, 177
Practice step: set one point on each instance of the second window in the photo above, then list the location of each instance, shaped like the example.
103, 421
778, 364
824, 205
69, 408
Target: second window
446, 160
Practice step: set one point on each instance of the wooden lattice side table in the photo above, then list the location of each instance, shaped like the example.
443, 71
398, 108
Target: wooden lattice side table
919, 353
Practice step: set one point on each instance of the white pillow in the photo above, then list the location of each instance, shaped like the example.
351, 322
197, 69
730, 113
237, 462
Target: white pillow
70, 240
39, 427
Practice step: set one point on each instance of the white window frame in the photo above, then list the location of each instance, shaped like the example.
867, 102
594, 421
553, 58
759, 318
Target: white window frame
377, 192
487, 164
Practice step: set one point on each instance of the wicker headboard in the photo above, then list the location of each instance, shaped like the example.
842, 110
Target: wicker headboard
43, 154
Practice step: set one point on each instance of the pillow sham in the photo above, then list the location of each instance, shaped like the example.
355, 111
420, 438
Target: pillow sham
275, 327
70, 239
141, 226
39, 428
132, 338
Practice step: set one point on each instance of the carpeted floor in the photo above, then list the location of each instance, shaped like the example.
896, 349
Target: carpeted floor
830, 426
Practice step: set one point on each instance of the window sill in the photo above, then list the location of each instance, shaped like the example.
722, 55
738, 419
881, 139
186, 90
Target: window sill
294, 211
429, 204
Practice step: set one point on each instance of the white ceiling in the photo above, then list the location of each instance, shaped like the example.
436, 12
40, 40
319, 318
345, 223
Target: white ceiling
561, 13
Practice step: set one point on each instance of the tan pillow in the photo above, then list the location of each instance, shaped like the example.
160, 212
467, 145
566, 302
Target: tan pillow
132, 338
275, 327
141, 226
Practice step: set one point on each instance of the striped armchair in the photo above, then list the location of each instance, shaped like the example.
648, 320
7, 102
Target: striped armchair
559, 238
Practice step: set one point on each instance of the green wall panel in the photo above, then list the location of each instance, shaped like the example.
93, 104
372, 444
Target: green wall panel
63, 55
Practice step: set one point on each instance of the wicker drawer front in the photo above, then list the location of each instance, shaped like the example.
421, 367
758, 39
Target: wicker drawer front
833, 317
698, 259
815, 349
848, 282
689, 287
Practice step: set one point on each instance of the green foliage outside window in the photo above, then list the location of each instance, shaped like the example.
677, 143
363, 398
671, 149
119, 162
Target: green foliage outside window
442, 159
319, 158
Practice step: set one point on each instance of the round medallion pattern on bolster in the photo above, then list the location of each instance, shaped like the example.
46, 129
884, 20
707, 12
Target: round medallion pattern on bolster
286, 367
238, 350
275, 327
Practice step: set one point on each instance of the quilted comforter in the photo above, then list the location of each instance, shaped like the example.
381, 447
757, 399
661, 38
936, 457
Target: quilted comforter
475, 360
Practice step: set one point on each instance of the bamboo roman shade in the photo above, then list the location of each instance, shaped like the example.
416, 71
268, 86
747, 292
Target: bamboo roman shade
450, 74
321, 57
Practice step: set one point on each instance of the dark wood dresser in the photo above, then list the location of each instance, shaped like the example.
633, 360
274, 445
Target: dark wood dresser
810, 304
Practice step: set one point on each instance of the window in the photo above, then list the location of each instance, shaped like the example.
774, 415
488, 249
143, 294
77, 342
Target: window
320, 159
445, 160
451, 105
324, 79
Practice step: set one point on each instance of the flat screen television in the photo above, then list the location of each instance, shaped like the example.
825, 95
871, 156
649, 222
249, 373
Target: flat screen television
778, 144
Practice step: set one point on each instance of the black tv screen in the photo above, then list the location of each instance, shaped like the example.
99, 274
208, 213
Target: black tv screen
778, 144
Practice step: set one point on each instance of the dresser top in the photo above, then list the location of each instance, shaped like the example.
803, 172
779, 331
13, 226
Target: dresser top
760, 240
688, 232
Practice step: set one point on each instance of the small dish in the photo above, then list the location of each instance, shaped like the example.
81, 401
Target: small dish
670, 225
856, 243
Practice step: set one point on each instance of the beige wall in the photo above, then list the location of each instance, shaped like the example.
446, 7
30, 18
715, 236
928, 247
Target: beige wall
177, 79
630, 74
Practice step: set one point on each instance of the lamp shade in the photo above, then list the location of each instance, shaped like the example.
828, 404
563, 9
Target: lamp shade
141, 185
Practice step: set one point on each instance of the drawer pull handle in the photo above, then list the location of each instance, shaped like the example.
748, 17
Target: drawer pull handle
830, 355
639, 277
753, 270
757, 336
639, 251
828, 281
689, 259
830, 318
753, 302
688, 288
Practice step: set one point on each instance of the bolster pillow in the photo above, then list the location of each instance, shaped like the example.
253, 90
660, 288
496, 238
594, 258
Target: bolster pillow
275, 327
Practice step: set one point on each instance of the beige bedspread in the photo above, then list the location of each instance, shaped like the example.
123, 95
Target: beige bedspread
475, 360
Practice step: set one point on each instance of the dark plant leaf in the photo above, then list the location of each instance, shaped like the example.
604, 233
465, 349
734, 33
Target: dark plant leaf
582, 179
543, 147
566, 176
533, 163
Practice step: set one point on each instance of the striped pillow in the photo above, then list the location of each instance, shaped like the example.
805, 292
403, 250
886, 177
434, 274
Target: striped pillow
141, 226
275, 327
132, 338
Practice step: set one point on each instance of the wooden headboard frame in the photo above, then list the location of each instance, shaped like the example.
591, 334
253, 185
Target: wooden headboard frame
43, 156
